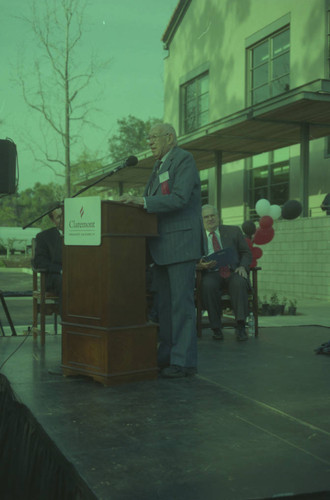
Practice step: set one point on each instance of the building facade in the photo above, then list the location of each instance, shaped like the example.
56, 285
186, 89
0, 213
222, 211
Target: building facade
226, 58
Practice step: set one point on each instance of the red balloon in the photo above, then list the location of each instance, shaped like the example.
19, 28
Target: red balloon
249, 242
256, 252
263, 236
266, 221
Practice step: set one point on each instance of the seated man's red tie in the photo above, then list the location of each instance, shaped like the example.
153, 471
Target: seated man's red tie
224, 270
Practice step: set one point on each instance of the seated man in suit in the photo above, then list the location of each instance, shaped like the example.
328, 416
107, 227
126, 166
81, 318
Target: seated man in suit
48, 253
233, 277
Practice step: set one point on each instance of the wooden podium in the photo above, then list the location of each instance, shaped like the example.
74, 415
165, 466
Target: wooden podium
105, 334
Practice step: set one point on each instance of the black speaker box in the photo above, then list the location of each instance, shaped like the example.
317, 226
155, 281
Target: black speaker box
8, 155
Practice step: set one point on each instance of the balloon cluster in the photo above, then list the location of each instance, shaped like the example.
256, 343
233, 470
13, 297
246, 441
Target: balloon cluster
265, 232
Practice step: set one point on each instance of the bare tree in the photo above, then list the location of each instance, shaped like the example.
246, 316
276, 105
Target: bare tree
58, 94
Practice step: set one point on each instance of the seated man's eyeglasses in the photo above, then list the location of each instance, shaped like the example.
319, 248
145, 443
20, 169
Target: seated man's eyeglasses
210, 216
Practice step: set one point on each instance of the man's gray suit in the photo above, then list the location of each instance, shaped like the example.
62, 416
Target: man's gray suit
175, 197
238, 287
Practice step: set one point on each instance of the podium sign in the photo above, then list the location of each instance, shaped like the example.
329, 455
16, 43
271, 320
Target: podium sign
82, 221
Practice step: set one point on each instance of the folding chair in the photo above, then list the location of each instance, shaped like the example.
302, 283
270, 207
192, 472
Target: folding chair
45, 303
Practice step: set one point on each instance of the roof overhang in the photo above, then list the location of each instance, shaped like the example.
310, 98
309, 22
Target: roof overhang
270, 125
175, 22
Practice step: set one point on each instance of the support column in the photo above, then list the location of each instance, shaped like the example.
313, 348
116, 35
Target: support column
218, 179
120, 188
304, 168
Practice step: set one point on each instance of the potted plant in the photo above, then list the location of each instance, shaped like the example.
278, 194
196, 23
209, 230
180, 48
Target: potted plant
274, 304
283, 304
264, 306
292, 306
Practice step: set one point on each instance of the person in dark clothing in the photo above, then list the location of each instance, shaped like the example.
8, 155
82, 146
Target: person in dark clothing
48, 253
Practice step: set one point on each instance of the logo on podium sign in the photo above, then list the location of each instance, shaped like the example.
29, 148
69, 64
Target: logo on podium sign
82, 221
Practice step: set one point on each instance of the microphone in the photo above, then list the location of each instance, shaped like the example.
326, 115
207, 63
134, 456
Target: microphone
131, 161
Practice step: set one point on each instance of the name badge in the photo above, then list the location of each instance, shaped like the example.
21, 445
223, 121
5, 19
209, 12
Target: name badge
164, 177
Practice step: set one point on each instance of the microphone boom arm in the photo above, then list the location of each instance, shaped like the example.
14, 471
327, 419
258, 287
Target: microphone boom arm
130, 162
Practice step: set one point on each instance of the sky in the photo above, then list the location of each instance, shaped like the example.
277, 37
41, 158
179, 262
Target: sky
127, 33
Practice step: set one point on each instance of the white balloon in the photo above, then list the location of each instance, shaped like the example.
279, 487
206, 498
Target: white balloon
262, 207
275, 211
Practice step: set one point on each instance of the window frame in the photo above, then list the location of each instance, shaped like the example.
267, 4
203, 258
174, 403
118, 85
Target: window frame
198, 99
327, 139
271, 59
269, 166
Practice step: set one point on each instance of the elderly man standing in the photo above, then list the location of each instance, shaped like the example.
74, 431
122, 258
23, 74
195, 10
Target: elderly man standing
233, 277
173, 193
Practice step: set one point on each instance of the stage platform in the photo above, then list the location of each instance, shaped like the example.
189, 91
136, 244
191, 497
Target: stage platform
254, 422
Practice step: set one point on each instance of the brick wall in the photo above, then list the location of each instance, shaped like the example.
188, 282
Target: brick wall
296, 263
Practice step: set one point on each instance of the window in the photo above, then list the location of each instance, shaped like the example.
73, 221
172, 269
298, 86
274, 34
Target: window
195, 103
269, 178
327, 139
269, 67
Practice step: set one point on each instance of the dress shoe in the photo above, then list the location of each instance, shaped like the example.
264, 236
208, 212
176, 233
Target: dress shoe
161, 366
175, 371
241, 334
217, 334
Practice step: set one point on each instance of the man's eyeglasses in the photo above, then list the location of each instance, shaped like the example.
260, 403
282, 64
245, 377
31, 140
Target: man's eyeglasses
152, 138
209, 216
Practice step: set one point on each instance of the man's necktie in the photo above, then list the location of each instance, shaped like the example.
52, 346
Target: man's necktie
215, 242
154, 175
224, 270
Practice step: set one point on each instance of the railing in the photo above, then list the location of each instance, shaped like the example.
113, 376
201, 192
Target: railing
237, 220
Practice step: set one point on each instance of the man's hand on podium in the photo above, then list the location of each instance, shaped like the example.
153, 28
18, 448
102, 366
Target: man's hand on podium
135, 200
